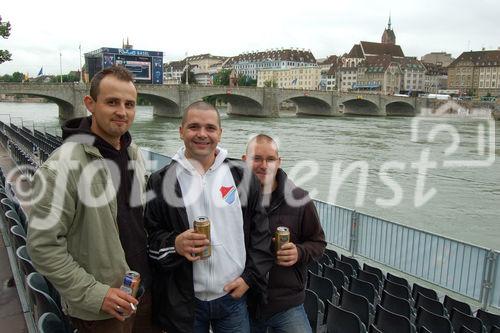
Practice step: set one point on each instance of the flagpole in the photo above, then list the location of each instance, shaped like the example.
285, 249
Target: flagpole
81, 70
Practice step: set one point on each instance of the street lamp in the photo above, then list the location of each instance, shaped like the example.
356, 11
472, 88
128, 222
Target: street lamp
60, 64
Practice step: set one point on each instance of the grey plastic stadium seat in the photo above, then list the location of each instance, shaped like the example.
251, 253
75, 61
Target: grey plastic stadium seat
459, 319
343, 321
432, 322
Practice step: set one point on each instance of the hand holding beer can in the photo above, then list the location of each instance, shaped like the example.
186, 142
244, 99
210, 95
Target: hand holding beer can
282, 236
130, 285
202, 226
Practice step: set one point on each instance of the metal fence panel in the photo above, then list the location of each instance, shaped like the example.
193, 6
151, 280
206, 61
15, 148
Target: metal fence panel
448, 263
495, 295
154, 161
336, 222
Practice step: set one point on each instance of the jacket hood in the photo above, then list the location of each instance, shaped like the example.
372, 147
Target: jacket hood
82, 126
180, 157
76, 126
286, 190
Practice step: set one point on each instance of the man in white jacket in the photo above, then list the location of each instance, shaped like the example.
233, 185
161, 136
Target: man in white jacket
195, 294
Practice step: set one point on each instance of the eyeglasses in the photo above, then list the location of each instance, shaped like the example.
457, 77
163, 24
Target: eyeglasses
269, 160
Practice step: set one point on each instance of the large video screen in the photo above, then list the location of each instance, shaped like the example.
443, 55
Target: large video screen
139, 66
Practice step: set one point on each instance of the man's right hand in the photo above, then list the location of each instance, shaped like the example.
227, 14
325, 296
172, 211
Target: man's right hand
190, 242
117, 303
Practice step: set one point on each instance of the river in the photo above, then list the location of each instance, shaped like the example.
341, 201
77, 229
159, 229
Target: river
456, 199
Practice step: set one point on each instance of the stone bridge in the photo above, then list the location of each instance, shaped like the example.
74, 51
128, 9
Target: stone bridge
171, 100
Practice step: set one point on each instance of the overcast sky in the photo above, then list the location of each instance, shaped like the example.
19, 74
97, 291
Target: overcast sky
41, 30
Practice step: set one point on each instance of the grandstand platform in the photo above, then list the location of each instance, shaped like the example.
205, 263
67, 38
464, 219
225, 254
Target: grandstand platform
359, 285
12, 318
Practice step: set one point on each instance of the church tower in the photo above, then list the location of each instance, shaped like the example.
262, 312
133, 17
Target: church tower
388, 37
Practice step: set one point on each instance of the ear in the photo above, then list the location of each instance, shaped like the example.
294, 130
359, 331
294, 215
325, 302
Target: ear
180, 133
89, 103
244, 157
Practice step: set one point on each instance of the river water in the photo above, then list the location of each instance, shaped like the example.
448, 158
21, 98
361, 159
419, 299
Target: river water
457, 197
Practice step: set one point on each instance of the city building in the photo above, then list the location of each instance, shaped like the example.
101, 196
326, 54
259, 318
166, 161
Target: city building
380, 73
438, 58
307, 78
204, 61
147, 66
203, 66
413, 74
172, 72
365, 56
346, 78
328, 69
252, 62
476, 73
436, 78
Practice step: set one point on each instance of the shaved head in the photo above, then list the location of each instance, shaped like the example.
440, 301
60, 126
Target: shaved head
201, 106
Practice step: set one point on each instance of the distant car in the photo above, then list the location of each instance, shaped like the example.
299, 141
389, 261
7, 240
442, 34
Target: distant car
488, 98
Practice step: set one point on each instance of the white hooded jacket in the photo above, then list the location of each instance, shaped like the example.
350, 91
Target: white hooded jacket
215, 196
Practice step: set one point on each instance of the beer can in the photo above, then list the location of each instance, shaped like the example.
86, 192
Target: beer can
202, 226
282, 236
131, 283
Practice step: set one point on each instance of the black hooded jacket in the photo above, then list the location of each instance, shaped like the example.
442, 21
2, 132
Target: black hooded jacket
130, 219
290, 206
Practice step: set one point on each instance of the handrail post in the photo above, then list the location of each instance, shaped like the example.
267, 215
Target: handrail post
353, 239
488, 285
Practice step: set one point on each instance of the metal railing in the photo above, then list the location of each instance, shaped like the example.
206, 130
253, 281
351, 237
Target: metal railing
463, 268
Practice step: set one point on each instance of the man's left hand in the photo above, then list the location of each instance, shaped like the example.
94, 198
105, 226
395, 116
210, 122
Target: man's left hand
237, 288
288, 255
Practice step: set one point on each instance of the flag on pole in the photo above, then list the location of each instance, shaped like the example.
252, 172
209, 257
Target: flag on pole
40, 72
294, 82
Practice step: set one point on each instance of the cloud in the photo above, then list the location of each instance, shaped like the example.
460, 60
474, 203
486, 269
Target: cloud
224, 27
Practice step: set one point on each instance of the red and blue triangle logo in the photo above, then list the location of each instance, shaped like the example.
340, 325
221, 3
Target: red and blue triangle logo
228, 193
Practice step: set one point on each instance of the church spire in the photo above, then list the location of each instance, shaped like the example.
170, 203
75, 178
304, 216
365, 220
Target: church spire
388, 37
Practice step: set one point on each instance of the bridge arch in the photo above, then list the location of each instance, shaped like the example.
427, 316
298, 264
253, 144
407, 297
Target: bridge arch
163, 107
400, 108
238, 104
66, 108
309, 105
362, 107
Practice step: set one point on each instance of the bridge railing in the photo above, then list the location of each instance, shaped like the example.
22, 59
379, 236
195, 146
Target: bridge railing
463, 268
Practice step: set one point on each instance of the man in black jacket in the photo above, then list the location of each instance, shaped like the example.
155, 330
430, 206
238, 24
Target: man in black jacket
191, 295
289, 206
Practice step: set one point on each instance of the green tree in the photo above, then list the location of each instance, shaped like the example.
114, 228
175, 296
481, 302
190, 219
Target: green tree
222, 78
214, 100
4, 33
245, 80
17, 77
270, 83
191, 77
70, 77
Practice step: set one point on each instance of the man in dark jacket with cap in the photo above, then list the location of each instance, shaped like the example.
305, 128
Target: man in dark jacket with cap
289, 206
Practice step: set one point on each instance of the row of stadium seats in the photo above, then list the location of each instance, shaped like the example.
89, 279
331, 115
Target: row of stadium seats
43, 299
364, 298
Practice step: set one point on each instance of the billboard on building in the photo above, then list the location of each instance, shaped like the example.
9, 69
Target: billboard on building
147, 66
